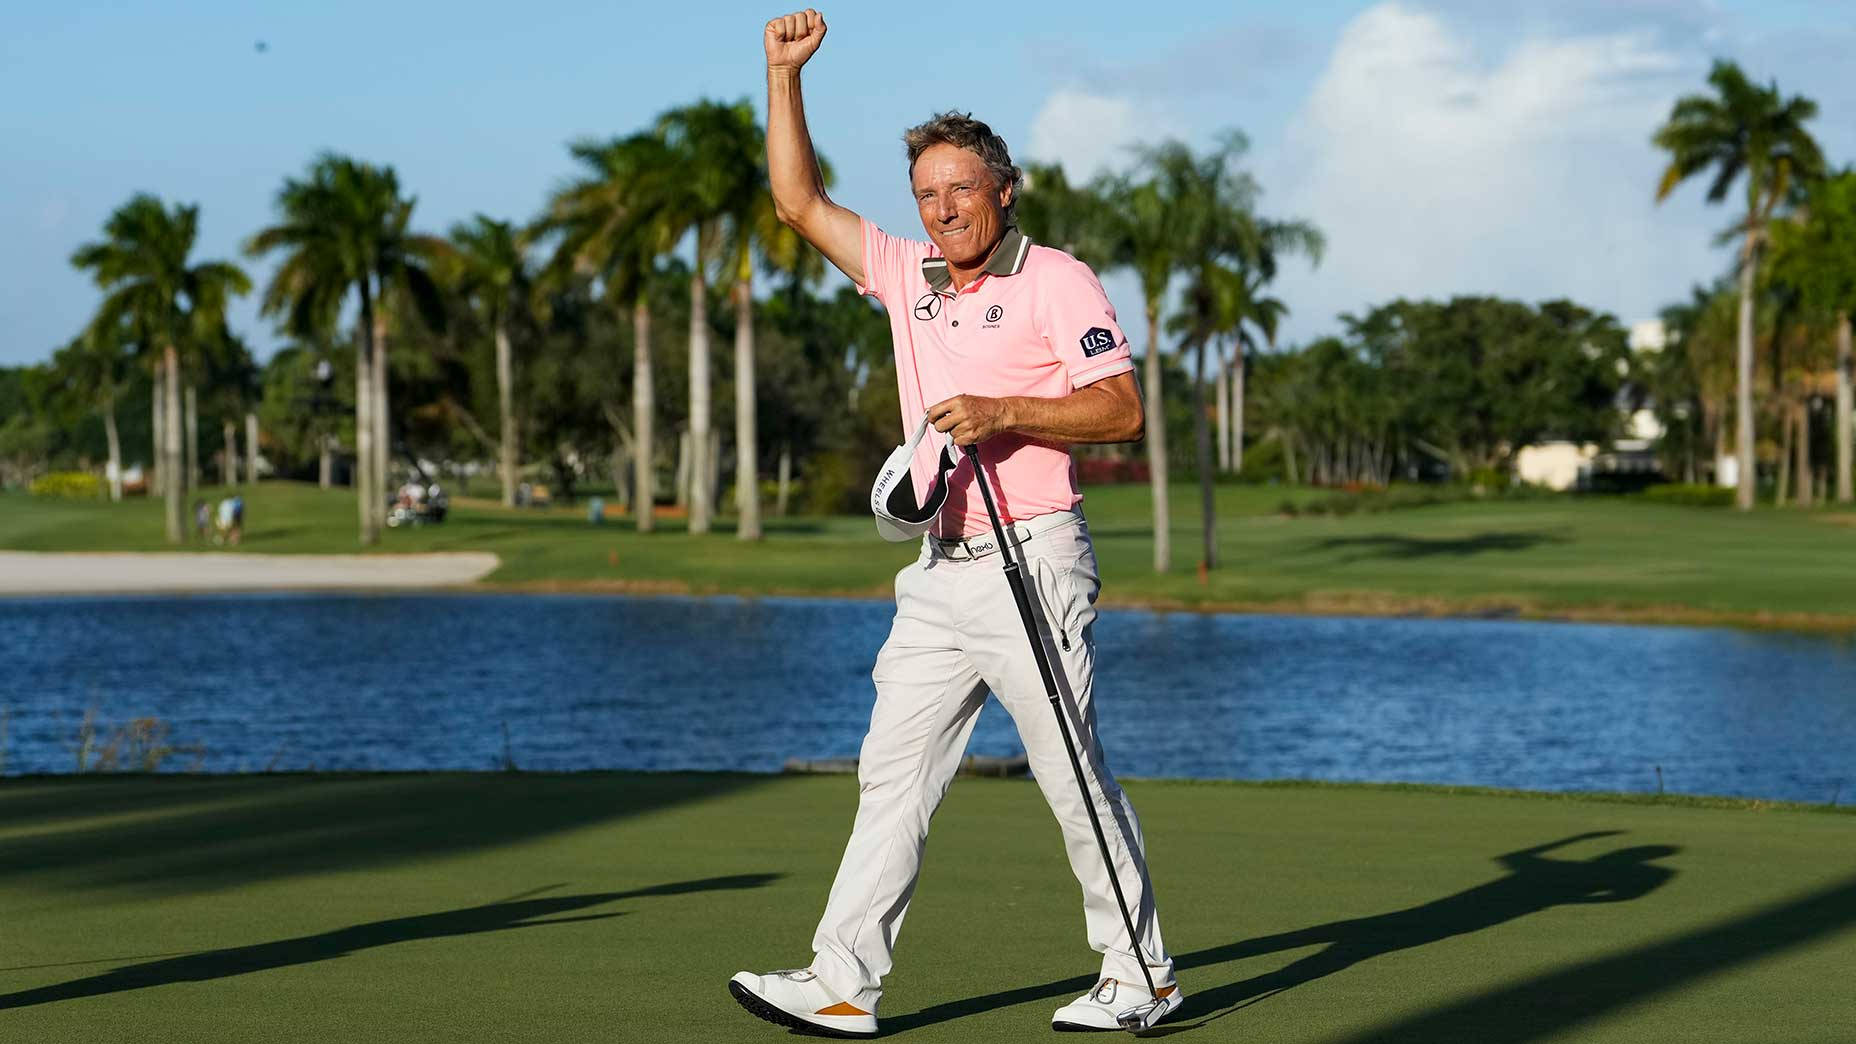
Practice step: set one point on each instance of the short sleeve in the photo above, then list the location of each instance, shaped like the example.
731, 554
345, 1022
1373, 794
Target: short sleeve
1078, 322
889, 262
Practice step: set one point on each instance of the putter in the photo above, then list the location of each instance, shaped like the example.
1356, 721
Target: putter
1141, 1017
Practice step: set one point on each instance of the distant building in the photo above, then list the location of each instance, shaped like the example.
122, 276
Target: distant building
1629, 460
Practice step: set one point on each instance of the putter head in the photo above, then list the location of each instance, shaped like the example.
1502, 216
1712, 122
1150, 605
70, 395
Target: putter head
1141, 1018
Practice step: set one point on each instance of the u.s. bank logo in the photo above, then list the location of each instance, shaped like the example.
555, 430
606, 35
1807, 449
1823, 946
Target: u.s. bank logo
1095, 341
928, 306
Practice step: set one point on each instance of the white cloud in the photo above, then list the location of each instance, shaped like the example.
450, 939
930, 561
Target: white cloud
1436, 168
1090, 133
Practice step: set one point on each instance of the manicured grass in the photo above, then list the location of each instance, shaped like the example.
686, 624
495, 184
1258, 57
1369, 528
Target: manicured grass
1599, 557
375, 908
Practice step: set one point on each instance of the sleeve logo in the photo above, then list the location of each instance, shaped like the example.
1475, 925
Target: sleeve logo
1096, 341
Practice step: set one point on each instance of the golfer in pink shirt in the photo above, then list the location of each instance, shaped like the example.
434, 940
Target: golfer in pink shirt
1011, 347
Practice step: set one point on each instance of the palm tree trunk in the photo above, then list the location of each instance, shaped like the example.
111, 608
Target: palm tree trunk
700, 505
1782, 488
251, 449
1202, 435
1743, 398
506, 405
171, 458
1805, 476
644, 417
364, 483
191, 440
228, 461
158, 435
109, 434
747, 450
1156, 443
1846, 401
683, 468
325, 467
1237, 406
382, 400
1222, 395
786, 479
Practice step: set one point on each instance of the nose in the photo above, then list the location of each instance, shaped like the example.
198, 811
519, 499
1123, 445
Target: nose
944, 209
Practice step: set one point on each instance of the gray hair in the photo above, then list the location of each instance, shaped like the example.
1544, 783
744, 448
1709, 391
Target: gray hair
962, 131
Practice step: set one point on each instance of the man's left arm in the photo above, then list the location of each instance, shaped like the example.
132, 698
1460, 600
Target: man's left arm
1109, 410
1078, 324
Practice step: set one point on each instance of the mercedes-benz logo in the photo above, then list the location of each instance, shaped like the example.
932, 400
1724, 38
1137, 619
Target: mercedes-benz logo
929, 306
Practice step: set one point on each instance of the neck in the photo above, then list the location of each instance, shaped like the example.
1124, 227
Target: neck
967, 273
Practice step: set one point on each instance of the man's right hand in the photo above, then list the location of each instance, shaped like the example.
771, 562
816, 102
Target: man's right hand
792, 39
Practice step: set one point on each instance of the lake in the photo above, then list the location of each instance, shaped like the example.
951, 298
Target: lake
568, 682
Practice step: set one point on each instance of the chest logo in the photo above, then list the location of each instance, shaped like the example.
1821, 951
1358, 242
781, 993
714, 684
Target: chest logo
1096, 341
928, 306
994, 314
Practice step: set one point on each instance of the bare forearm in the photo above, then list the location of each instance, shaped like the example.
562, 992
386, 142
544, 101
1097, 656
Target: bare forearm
792, 165
1091, 414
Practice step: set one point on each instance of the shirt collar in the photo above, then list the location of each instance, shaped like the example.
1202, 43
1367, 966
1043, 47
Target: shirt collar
1008, 258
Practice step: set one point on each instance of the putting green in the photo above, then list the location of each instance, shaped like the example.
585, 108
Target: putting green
613, 907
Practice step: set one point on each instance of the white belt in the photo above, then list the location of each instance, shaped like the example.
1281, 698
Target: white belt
983, 544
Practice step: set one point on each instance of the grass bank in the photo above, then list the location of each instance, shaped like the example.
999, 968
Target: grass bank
544, 908
1571, 557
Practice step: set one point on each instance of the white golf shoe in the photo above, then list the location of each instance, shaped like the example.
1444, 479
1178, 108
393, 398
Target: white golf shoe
1100, 1008
796, 999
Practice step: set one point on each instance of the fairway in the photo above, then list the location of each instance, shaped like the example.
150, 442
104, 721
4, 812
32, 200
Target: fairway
1612, 558
613, 907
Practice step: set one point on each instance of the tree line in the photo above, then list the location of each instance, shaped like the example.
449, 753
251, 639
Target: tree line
583, 335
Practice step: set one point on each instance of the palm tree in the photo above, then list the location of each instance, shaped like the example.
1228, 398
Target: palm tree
1145, 225
95, 370
142, 265
1818, 255
1056, 213
614, 222
1742, 129
346, 225
721, 152
1191, 214
492, 270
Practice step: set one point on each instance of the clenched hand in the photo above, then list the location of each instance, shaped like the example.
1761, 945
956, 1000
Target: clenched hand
792, 39
970, 419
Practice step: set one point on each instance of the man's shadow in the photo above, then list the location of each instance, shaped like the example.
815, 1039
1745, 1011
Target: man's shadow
520, 912
1532, 884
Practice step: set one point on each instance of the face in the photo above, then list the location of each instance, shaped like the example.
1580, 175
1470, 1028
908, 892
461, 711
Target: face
962, 206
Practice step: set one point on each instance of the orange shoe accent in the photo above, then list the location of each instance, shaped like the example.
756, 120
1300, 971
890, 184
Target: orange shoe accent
844, 1008
1165, 991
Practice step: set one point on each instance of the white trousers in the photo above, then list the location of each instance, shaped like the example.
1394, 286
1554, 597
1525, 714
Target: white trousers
957, 633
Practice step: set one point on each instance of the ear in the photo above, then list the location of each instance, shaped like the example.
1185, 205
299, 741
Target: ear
1006, 193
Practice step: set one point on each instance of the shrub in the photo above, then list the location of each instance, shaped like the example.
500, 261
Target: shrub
71, 485
1689, 495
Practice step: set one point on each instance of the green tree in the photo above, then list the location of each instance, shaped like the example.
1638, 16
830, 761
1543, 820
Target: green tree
1817, 253
491, 269
721, 150
1742, 129
95, 370
345, 226
615, 222
172, 305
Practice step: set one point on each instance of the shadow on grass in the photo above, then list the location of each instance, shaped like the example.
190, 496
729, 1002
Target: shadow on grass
194, 833
1532, 884
307, 949
1392, 546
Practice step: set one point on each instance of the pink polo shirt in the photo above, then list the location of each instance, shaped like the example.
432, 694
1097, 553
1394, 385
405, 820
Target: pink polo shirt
1035, 323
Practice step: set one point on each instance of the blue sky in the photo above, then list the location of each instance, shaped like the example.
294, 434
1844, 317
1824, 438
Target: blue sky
1444, 146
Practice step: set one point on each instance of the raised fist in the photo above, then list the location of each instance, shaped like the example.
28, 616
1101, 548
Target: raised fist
792, 39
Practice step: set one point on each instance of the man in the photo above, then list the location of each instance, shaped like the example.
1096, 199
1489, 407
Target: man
1014, 348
